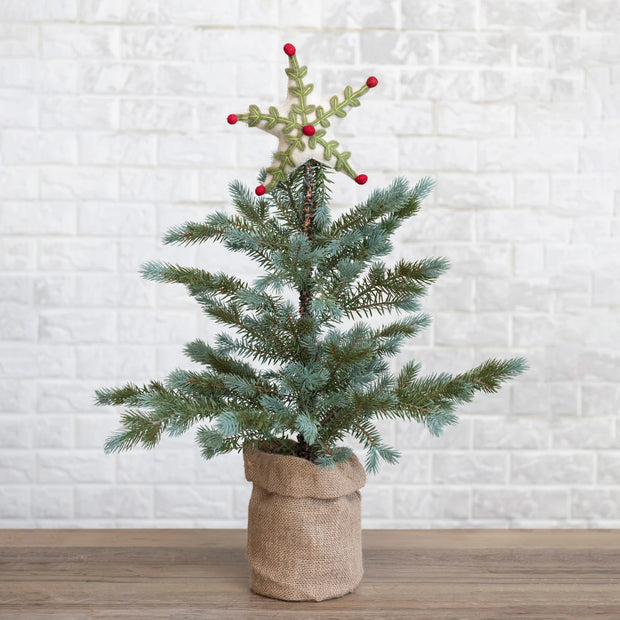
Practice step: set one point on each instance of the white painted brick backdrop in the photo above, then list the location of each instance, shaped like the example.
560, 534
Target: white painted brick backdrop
113, 129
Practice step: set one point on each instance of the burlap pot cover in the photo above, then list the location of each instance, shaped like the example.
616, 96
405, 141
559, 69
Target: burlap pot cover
304, 526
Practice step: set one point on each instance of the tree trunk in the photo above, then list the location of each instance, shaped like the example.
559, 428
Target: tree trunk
304, 450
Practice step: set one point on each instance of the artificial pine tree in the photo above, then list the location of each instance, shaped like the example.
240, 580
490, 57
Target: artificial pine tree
298, 375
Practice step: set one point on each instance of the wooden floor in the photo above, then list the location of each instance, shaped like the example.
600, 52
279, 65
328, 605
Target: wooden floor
408, 574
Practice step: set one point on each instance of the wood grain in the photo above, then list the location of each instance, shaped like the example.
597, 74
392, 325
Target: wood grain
186, 574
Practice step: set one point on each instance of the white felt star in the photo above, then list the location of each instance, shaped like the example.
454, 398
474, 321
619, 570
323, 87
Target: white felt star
301, 126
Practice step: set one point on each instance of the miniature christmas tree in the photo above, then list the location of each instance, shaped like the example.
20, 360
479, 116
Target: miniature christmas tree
299, 377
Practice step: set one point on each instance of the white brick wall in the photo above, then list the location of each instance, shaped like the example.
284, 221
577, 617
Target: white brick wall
112, 129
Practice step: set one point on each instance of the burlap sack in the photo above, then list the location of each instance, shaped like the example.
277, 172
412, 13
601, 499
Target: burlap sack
304, 526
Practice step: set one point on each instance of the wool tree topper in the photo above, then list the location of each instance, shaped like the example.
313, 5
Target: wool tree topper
301, 126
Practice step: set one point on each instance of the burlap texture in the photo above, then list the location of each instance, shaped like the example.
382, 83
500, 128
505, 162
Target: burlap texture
304, 526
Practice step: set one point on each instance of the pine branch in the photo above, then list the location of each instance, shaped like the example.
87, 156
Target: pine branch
385, 289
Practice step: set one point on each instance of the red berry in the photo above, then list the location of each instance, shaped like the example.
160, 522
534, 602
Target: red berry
361, 179
289, 49
308, 130
260, 190
232, 119
372, 81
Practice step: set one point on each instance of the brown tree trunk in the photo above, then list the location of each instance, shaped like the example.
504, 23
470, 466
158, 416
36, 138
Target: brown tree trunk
304, 450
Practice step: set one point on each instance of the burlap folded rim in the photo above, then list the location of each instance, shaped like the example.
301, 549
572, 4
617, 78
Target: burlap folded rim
304, 526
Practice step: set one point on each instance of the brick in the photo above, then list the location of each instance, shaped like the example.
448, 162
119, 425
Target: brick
19, 183
118, 11
77, 255
528, 155
219, 80
241, 499
475, 119
147, 114
372, 153
56, 76
549, 120
196, 150
523, 433
479, 190
16, 289
531, 49
536, 468
17, 324
18, 110
602, 14
156, 327
18, 41
78, 41
343, 14
553, 398
118, 219
448, 225
481, 49
330, 82
495, 294
38, 10
608, 468
598, 157
378, 502
77, 326
579, 433
451, 294
439, 84
449, 154
193, 501
118, 148
159, 184
57, 397
77, 466
410, 435
16, 429
225, 469
411, 119
16, 467
451, 14
207, 14
395, 48
571, 50
316, 48
412, 468
258, 13
110, 501
74, 113
14, 502
29, 147
52, 431
437, 503
43, 218
595, 503
598, 400
517, 226
469, 468
126, 78
555, 14
478, 330
161, 466
52, 502
144, 43
505, 85
118, 363
91, 430
531, 190
515, 503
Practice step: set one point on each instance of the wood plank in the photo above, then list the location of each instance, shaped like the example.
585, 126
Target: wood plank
408, 573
